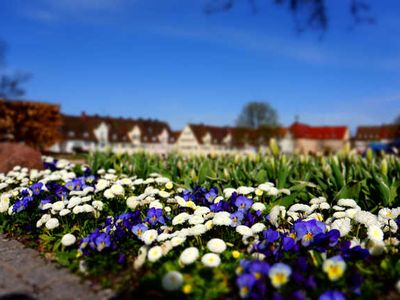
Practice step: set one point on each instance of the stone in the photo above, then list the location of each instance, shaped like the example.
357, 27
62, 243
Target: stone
14, 154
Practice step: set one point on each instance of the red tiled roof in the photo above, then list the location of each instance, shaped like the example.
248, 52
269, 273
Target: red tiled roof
384, 132
299, 130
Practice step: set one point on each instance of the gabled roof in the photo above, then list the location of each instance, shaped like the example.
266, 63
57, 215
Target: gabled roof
384, 132
217, 133
83, 127
174, 136
300, 130
239, 137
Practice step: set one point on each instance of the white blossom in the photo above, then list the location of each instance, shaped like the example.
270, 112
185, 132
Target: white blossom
189, 255
68, 239
216, 245
211, 260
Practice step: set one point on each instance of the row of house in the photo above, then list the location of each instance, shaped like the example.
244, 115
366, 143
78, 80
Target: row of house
89, 133
93, 132
385, 135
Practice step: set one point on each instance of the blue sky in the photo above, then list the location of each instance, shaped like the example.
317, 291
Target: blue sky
166, 59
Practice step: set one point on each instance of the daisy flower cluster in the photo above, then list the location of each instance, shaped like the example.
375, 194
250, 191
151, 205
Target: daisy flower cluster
238, 242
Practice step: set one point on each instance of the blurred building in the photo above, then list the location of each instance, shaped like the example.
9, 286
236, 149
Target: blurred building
213, 139
89, 133
384, 134
303, 138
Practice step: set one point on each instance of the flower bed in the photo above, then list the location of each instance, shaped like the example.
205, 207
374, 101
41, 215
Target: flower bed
150, 237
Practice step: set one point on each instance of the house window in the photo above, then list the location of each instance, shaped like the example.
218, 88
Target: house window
71, 134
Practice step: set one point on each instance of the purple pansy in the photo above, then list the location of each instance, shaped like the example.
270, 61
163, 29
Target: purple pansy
36, 188
332, 295
307, 230
154, 216
243, 203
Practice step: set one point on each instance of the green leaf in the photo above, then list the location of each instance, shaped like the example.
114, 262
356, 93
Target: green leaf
203, 171
350, 190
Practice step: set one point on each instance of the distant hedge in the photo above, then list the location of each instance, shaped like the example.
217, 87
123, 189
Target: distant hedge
34, 123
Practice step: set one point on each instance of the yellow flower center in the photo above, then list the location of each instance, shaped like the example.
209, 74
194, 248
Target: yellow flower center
335, 272
244, 291
279, 279
308, 236
187, 289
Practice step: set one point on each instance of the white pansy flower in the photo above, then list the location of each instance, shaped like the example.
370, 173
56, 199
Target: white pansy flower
149, 236
347, 203
266, 186
387, 213
163, 236
78, 209
375, 233
189, 255
198, 229
132, 202
177, 240
172, 281
117, 190
376, 248
180, 201
276, 213
74, 201
201, 210
196, 219
87, 208
164, 194
64, 212
216, 245
108, 194
257, 227
273, 191
222, 218
47, 206
351, 212
98, 205
366, 218
68, 239
180, 219
154, 253
258, 206
52, 223
110, 177
339, 208
211, 260
209, 224
245, 190
125, 181
4, 202
59, 205
218, 199
102, 184
300, 207
156, 204
86, 198
340, 214
244, 230
343, 225
228, 192
324, 206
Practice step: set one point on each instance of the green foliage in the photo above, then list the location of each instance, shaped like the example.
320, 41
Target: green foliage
372, 181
